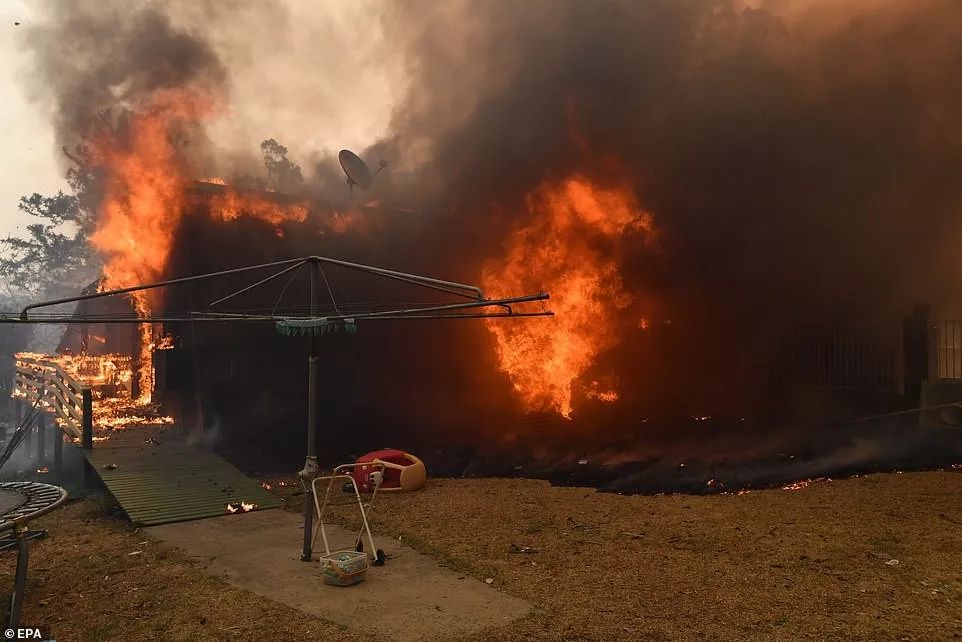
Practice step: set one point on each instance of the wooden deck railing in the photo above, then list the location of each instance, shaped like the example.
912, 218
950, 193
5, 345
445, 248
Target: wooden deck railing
57, 392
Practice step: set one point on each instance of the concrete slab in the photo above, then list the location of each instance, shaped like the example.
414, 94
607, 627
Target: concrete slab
411, 597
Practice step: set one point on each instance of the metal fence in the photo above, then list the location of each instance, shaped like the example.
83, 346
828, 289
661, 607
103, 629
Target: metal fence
855, 355
948, 349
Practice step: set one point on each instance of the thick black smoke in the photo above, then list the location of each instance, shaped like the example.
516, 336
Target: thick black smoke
795, 164
799, 165
104, 57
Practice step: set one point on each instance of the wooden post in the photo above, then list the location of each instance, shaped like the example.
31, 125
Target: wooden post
87, 432
13, 411
87, 427
136, 365
41, 439
916, 348
28, 431
58, 453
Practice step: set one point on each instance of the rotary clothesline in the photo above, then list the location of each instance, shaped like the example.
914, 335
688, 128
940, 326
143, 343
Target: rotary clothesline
312, 317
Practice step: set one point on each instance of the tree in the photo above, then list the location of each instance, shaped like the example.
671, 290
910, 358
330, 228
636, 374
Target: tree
54, 258
282, 174
13, 338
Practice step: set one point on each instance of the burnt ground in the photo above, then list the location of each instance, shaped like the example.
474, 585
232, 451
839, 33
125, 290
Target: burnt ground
700, 458
816, 563
705, 465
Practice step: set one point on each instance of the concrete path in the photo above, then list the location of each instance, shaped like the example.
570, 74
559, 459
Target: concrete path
411, 597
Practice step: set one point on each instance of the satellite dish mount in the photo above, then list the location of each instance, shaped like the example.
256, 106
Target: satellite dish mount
356, 170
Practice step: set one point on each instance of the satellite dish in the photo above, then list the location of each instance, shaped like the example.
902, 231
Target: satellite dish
357, 170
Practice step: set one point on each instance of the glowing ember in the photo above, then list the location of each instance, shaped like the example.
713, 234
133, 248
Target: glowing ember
805, 483
593, 392
166, 342
558, 249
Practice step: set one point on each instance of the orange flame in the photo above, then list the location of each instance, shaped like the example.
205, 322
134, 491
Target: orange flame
557, 250
232, 204
594, 392
144, 181
341, 222
240, 507
166, 342
145, 187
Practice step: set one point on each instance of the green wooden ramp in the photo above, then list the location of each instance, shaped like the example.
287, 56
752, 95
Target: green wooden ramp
157, 478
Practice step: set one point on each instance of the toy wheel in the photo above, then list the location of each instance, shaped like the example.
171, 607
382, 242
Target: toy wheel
379, 558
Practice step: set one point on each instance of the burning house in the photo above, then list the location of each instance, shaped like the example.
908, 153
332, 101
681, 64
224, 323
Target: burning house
474, 397
707, 241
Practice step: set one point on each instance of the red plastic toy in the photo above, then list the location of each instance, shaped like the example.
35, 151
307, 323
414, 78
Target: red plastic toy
402, 471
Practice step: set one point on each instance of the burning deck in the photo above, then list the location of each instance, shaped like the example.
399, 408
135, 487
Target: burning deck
111, 381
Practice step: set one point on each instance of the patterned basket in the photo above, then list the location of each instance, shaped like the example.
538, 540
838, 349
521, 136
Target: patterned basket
344, 568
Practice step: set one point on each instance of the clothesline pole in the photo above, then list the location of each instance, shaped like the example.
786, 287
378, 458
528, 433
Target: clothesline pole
310, 463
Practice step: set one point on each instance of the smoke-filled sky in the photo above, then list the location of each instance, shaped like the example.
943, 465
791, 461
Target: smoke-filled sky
28, 161
805, 151
804, 137
315, 78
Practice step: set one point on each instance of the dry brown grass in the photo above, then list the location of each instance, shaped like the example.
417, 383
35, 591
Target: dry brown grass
84, 586
807, 564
